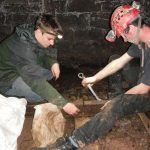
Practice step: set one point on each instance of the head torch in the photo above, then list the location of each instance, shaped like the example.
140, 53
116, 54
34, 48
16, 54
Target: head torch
111, 36
58, 35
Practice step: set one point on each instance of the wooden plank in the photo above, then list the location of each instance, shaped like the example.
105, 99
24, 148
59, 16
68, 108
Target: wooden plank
146, 121
87, 108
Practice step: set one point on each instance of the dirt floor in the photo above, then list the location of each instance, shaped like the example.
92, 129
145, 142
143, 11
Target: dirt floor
128, 133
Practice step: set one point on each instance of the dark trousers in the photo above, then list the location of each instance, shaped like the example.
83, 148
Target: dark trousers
101, 123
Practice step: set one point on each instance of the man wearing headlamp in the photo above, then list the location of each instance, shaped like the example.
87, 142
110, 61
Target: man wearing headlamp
28, 60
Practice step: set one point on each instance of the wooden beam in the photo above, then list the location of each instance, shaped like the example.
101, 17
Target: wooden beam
146, 121
87, 108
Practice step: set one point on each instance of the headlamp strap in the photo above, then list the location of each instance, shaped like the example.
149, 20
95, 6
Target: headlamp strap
138, 29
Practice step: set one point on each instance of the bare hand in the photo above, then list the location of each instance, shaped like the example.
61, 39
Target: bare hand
55, 70
71, 109
89, 80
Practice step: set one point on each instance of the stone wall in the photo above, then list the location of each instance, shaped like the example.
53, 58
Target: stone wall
85, 24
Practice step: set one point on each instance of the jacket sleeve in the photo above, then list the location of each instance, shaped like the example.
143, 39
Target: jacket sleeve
50, 57
24, 59
31, 74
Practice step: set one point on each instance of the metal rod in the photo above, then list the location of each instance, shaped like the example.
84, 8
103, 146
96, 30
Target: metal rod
81, 76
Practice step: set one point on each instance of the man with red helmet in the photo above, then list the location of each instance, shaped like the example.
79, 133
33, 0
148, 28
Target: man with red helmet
126, 22
122, 17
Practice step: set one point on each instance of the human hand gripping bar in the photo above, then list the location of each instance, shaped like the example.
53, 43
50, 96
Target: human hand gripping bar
81, 76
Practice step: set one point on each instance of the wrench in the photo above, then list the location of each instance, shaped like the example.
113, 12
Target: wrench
81, 76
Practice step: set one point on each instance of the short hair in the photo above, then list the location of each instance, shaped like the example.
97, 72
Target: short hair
46, 22
145, 20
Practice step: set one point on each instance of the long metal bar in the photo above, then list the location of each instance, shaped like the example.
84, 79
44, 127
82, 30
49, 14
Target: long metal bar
93, 92
81, 76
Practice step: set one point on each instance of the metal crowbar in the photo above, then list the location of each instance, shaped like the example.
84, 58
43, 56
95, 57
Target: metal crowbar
81, 76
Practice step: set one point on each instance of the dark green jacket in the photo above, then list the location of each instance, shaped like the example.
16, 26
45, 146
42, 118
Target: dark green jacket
21, 55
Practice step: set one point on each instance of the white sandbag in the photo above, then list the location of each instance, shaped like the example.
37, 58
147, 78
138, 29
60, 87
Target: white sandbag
12, 116
48, 124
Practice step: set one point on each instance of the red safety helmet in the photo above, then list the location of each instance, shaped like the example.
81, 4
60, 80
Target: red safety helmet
121, 18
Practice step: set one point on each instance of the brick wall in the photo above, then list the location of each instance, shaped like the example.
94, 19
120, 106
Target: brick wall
85, 23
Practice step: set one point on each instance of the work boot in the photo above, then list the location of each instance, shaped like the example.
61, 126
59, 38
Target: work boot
65, 143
